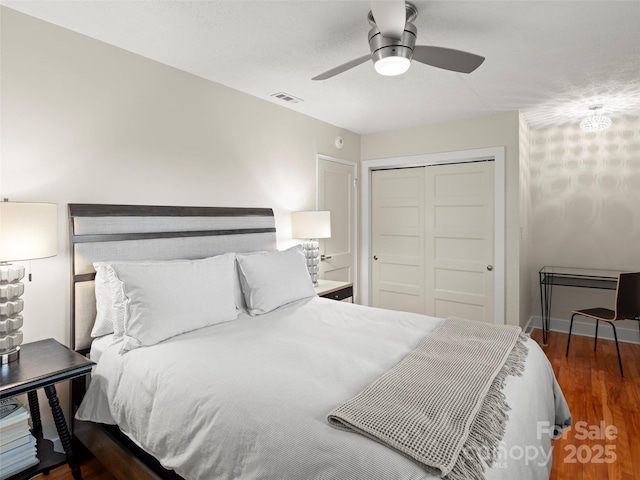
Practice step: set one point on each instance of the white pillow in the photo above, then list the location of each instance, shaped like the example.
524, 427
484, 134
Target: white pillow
272, 279
109, 299
162, 300
241, 304
237, 289
103, 324
117, 301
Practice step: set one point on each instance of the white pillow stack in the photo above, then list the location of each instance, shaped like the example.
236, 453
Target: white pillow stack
146, 302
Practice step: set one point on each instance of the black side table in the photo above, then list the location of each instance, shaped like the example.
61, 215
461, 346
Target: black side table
41, 365
334, 290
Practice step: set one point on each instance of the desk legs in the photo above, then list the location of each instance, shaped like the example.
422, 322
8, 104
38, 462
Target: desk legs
63, 431
545, 306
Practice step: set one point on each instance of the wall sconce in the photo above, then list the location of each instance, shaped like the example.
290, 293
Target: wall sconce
311, 226
28, 231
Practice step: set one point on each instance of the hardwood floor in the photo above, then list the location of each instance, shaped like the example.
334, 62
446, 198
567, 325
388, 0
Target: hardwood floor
91, 470
602, 405
604, 441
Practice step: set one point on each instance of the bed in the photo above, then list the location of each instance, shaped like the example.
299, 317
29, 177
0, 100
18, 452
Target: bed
250, 393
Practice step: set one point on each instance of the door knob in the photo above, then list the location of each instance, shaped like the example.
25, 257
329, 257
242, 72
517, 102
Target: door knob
489, 267
325, 257
375, 257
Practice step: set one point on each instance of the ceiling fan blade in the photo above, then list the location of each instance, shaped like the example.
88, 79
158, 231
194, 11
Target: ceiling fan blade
390, 17
447, 58
342, 68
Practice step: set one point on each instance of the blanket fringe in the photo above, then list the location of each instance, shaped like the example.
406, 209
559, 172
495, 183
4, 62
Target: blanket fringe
481, 448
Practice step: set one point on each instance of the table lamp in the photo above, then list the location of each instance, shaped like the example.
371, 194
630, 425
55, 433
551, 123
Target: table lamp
28, 231
311, 226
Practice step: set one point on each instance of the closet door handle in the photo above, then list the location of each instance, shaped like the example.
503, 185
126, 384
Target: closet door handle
375, 257
489, 267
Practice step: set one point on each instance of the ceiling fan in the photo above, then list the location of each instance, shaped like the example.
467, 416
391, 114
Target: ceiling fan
392, 40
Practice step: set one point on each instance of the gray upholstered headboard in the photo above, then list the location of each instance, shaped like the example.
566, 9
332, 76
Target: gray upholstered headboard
150, 232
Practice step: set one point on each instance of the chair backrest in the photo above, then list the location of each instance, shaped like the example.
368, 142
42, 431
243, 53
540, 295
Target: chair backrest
628, 296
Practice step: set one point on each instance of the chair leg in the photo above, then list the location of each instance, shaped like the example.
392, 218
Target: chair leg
595, 342
569, 339
615, 335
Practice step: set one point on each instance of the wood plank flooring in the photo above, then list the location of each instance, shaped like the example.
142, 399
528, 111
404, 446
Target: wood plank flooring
604, 441
91, 470
595, 393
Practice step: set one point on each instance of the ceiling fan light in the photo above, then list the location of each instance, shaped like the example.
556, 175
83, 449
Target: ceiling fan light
390, 66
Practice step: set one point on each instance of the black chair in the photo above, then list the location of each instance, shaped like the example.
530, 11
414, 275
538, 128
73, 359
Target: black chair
627, 307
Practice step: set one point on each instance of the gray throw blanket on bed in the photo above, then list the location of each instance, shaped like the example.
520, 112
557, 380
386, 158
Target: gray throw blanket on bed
442, 406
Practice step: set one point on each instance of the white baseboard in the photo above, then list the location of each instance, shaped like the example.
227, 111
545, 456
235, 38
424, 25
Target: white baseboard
627, 330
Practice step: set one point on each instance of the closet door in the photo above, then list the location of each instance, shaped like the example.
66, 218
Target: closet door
459, 240
397, 231
432, 240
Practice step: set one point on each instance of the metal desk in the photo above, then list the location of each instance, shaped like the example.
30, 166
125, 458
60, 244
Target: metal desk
570, 277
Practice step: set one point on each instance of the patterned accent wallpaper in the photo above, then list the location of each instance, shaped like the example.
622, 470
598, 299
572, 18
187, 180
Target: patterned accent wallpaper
585, 196
524, 136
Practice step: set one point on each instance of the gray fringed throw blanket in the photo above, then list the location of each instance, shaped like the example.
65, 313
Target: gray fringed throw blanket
442, 406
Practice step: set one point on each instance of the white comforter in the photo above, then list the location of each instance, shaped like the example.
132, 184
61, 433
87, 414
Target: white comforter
249, 399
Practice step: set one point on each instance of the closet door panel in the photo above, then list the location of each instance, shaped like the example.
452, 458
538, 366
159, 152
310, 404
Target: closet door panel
397, 239
459, 230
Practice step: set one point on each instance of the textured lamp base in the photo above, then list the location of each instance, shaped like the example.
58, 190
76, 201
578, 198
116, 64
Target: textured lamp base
10, 306
10, 356
311, 249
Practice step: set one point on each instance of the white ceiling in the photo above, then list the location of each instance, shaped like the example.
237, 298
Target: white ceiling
548, 59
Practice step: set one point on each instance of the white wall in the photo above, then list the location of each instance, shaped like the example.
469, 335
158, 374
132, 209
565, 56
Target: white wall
501, 129
83, 121
585, 195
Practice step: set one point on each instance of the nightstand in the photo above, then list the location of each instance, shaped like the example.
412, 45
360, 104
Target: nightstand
41, 365
334, 290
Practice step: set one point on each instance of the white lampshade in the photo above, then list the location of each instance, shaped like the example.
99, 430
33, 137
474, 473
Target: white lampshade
28, 231
316, 224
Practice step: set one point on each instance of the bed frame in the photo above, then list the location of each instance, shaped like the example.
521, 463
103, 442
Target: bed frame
101, 232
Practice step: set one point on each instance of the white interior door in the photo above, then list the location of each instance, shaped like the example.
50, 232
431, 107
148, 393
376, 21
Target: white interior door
337, 194
432, 240
397, 239
459, 239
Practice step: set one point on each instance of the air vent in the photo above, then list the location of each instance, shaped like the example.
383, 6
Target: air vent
285, 97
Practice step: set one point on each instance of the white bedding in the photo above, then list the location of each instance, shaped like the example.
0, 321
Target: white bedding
248, 399
99, 345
